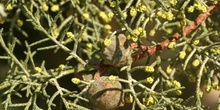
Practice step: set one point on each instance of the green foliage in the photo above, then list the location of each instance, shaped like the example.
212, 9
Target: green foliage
58, 52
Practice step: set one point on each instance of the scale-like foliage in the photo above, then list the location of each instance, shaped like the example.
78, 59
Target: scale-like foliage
108, 54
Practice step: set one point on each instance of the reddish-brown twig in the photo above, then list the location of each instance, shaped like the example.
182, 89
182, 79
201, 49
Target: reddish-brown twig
148, 51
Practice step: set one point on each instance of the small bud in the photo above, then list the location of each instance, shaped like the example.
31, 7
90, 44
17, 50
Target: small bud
107, 42
200, 94
215, 86
208, 88
200, 7
133, 11
110, 15
61, 66
196, 63
45, 7
178, 92
89, 45
24, 78
107, 27
55, 8
143, 19
159, 13
176, 84
112, 4
56, 32
38, 69
169, 69
70, 35
149, 80
20, 23
192, 78
104, 16
152, 32
190, 9
86, 16
136, 32
112, 78
125, 15
182, 55
134, 38
173, 2
141, 8
196, 42
172, 45
9, 7
129, 98
169, 16
149, 69
148, 101
75, 80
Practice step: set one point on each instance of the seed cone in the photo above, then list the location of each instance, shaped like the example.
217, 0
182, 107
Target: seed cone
104, 94
117, 52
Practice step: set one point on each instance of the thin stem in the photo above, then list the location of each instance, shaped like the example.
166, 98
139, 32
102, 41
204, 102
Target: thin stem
131, 87
12, 55
37, 24
198, 84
